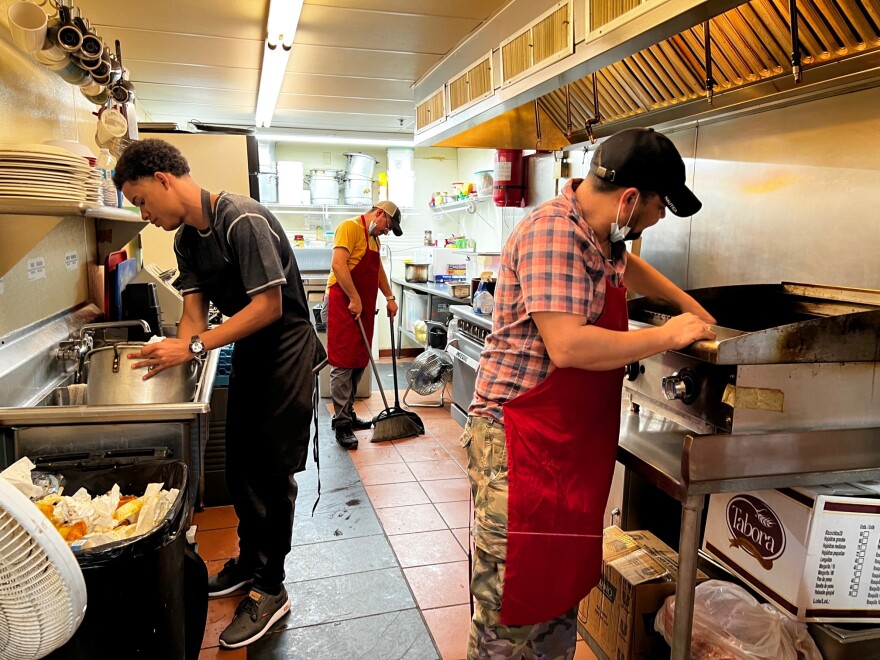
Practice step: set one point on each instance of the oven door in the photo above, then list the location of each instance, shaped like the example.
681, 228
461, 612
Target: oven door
465, 354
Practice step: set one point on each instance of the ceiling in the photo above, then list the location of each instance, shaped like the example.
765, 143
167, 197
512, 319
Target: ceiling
352, 67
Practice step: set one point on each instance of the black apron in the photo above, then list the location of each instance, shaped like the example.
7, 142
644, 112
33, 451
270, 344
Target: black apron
271, 386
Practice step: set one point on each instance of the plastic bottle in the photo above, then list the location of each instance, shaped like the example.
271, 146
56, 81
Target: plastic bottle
484, 303
107, 191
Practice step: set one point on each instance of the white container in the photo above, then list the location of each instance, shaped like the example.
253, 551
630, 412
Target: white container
415, 308
358, 189
402, 188
324, 186
400, 160
360, 164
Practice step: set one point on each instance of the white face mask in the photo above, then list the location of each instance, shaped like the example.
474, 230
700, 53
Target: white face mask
619, 234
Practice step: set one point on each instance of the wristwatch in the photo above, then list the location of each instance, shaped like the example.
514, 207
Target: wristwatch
390, 298
196, 346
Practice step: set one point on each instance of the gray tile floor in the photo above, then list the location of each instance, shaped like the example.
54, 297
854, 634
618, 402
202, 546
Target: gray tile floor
350, 597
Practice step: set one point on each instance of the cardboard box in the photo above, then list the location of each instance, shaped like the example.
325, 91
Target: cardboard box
813, 552
619, 613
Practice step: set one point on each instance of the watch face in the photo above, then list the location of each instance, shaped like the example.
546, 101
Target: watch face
197, 346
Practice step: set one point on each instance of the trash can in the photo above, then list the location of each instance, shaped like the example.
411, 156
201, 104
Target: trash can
137, 599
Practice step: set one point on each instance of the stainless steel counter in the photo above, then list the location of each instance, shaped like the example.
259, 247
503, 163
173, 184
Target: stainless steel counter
431, 288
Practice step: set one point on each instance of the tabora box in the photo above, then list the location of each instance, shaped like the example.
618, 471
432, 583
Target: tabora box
638, 574
813, 552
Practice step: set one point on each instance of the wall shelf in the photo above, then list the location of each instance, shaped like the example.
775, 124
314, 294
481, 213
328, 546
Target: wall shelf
25, 222
326, 209
470, 205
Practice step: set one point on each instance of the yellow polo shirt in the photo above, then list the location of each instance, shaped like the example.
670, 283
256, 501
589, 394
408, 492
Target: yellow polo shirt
350, 235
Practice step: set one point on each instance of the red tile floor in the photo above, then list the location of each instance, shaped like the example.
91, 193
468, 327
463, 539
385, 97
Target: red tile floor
419, 490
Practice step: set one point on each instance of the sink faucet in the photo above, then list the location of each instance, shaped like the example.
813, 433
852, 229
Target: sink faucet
91, 327
77, 349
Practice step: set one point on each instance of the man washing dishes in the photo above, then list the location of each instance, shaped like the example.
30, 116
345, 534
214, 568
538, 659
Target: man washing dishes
233, 252
543, 425
354, 283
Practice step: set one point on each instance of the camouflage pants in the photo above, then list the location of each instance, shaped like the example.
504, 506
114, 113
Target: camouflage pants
487, 468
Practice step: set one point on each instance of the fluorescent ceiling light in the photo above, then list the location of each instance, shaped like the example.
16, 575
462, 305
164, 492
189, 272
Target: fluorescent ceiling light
281, 29
334, 139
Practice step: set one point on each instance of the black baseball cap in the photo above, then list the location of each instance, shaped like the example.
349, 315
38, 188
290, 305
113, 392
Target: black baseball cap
393, 212
644, 159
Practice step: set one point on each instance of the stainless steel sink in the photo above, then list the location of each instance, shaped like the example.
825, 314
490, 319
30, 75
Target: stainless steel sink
37, 419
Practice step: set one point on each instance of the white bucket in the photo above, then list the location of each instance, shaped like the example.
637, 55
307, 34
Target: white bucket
358, 189
360, 164
324, 187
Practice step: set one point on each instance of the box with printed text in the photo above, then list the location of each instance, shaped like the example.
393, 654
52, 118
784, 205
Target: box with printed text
813, 552
619, 612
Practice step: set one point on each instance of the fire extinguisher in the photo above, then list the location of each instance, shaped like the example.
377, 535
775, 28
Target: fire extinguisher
510, 182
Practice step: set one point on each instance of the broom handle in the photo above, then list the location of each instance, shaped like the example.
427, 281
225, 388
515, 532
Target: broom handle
370, 355
394, 364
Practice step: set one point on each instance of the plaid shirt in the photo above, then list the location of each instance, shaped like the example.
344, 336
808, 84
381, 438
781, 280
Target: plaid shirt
550, 263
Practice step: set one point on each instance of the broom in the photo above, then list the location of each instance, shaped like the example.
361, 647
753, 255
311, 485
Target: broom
392, 423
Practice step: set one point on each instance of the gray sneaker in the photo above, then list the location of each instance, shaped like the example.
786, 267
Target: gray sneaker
232, 577
253, 618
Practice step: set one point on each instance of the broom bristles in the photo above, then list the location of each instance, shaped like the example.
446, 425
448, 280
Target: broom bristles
394, 426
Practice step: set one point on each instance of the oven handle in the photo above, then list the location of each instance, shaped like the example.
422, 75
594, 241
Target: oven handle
464, 357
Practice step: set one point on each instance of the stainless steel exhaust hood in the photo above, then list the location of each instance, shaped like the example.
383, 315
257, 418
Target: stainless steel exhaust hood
649, 64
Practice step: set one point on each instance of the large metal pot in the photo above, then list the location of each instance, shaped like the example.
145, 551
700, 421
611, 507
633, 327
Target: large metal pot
112, 381
323, 186
359, 164
416, 273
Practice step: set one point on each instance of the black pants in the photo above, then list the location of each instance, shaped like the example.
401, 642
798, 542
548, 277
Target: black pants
265, 505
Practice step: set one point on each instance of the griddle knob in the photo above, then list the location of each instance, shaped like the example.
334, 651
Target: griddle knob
633, 370
680, 386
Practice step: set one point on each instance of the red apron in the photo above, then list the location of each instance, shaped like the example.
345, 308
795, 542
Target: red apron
345, 346
562, 444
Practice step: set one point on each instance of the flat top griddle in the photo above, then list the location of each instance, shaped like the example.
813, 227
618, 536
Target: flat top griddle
778, 323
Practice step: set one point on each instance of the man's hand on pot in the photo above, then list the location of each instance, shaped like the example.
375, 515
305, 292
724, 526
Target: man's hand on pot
162, 355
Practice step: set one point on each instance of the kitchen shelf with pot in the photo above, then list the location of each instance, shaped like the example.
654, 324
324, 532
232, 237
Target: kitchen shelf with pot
25, 222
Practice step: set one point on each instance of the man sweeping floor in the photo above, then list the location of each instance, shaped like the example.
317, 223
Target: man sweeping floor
352, 288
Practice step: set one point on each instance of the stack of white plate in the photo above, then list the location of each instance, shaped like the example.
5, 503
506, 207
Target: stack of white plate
46, 172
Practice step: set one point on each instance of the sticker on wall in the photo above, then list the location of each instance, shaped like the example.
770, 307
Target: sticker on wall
71, 260
36, 268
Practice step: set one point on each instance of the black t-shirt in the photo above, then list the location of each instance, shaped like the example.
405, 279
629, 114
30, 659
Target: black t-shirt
244, 252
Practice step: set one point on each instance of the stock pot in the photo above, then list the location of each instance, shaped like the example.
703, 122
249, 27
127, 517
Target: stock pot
110, 380
416, 273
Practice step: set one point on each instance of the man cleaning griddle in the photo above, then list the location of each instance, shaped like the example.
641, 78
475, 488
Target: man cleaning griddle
543, 426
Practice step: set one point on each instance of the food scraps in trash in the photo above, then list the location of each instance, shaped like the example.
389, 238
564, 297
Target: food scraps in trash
86, 522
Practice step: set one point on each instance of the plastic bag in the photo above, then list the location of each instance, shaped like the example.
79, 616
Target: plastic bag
729, 624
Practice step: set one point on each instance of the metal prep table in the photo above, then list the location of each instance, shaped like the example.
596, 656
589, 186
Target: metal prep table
432, 290
688, 467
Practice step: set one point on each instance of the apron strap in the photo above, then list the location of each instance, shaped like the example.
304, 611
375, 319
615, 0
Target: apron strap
315, 453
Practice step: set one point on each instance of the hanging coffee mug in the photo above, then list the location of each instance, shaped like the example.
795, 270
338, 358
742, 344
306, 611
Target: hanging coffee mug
69, 35
122, 92
89, 64
27, 23
91, 46
97, 94
70, 71
112, 125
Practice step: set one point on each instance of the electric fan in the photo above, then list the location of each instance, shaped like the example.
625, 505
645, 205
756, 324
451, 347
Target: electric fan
429, 372
42, 591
